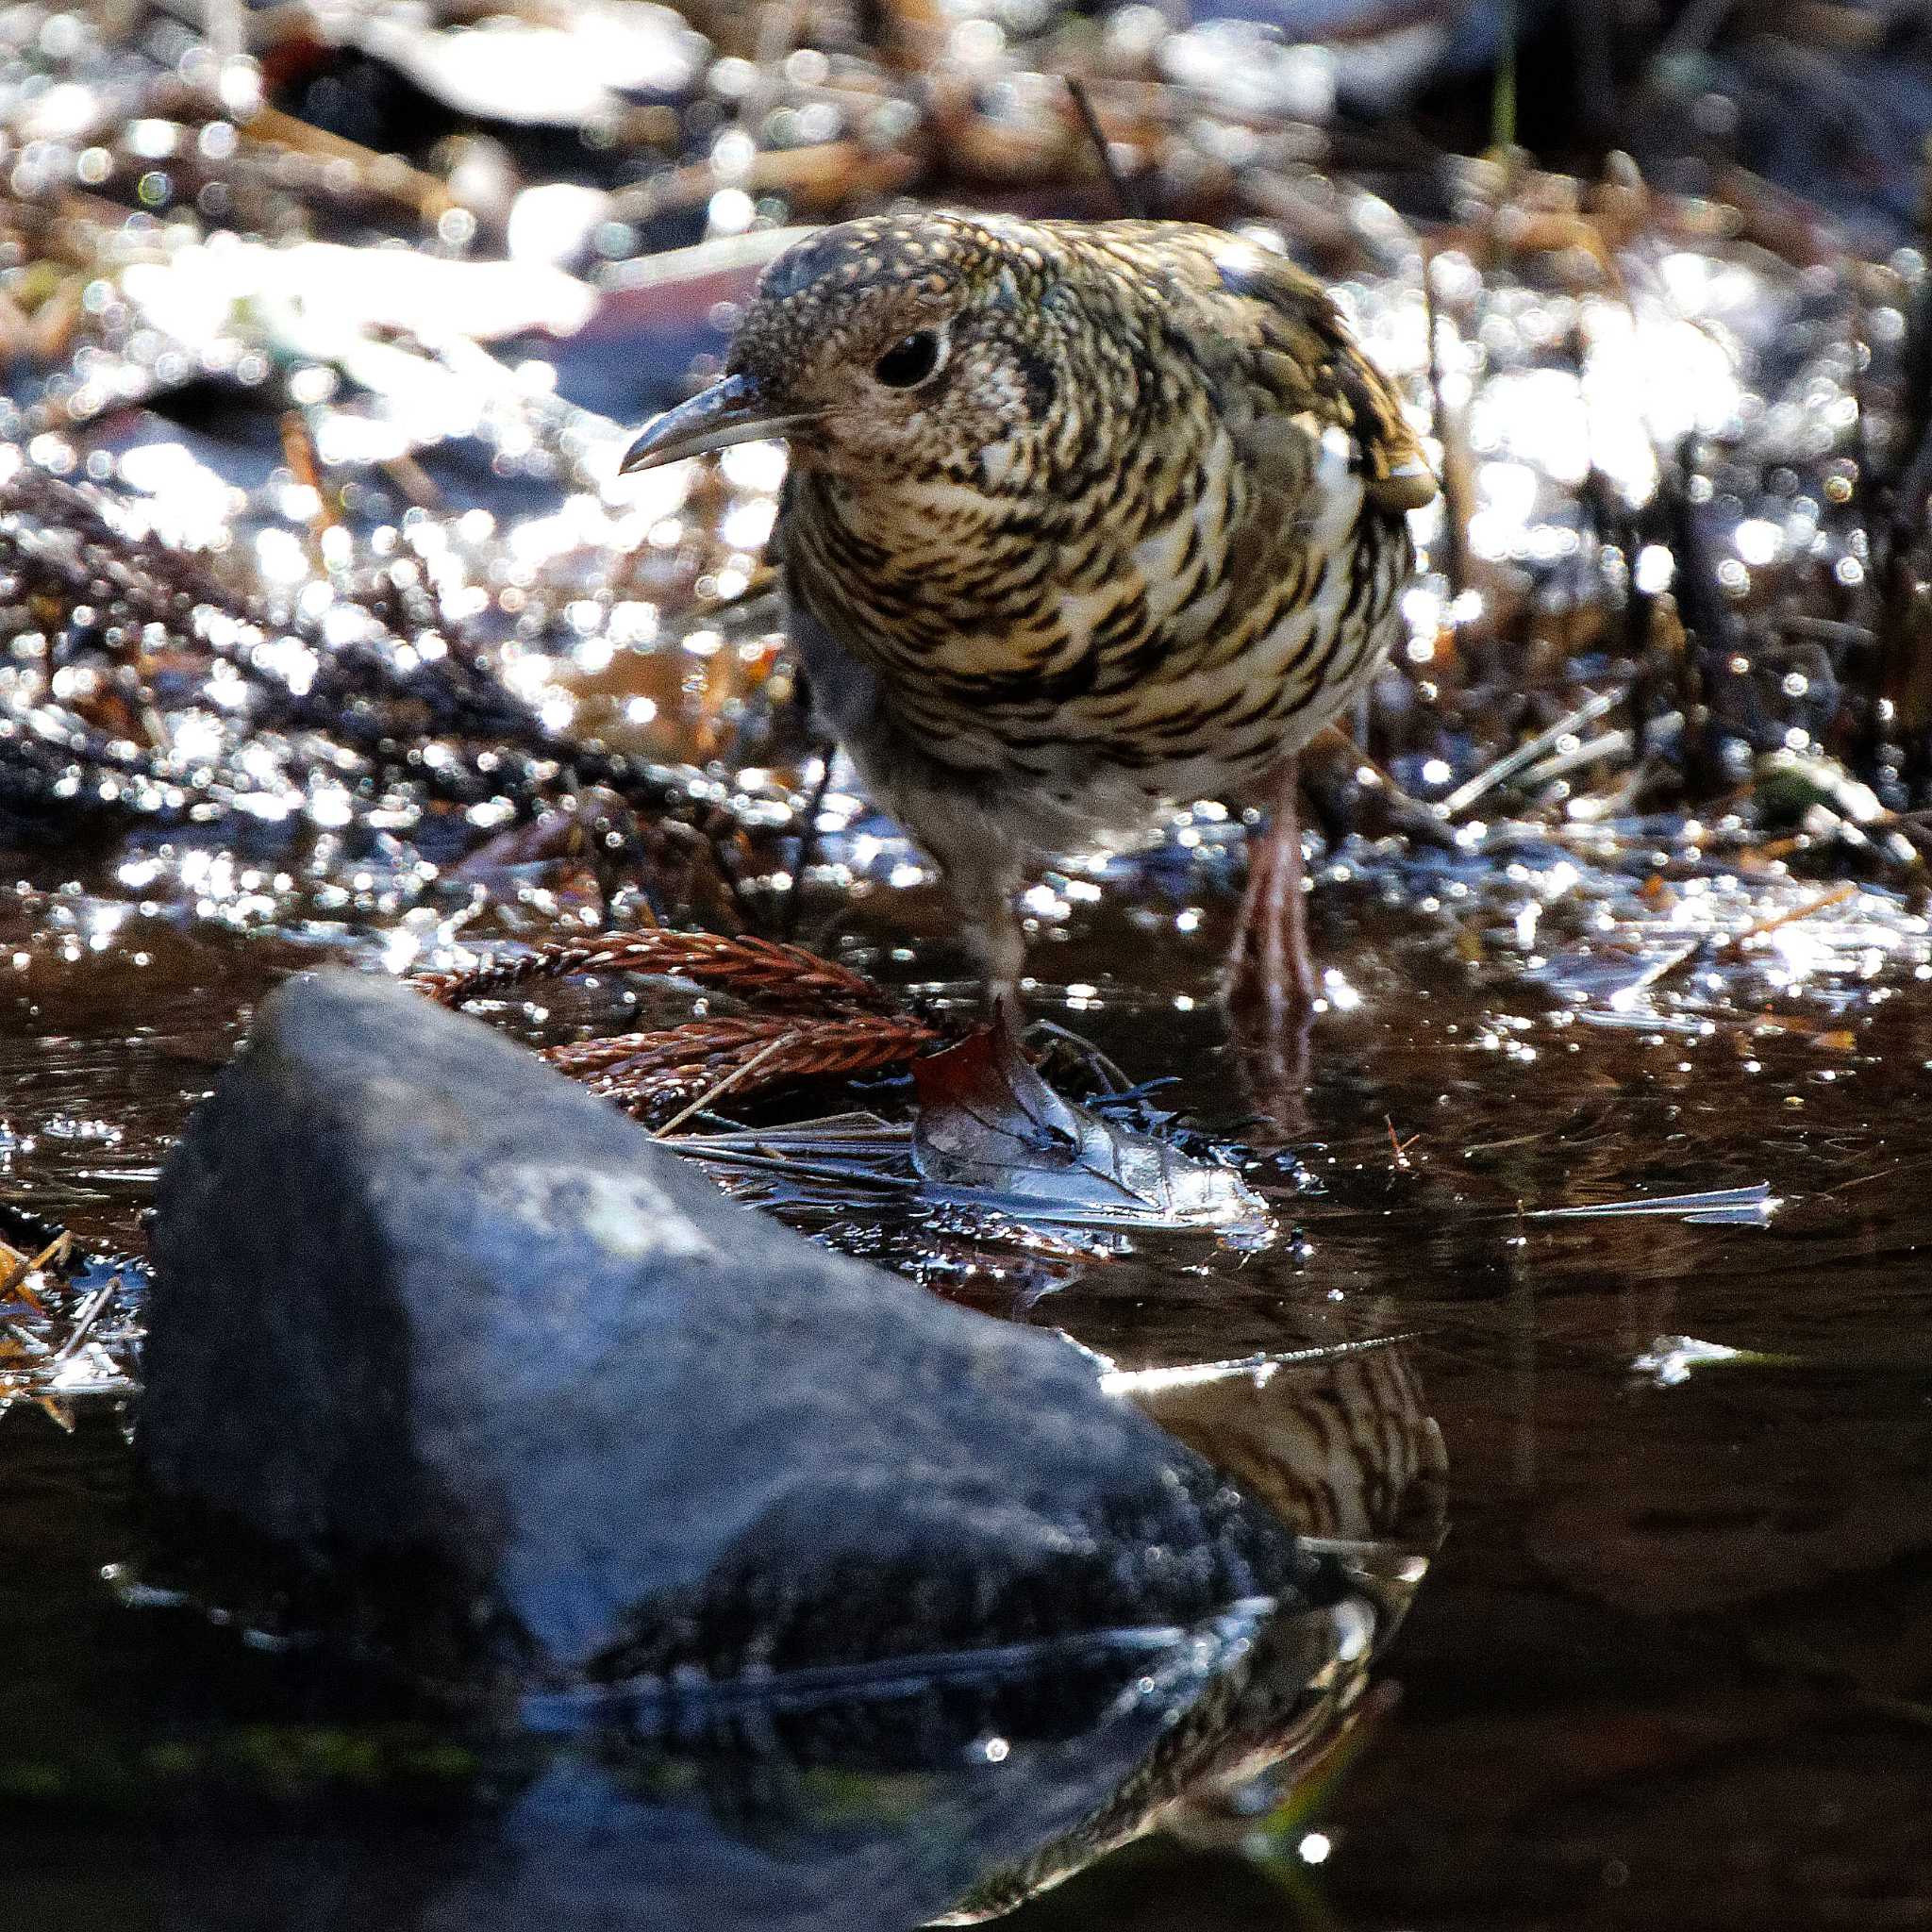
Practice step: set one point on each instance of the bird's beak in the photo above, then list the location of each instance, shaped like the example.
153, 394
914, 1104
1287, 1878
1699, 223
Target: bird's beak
731, 410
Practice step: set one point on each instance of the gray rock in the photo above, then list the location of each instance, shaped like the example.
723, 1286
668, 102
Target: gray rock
489, 1376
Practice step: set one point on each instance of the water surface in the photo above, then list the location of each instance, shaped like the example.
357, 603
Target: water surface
1673, 1663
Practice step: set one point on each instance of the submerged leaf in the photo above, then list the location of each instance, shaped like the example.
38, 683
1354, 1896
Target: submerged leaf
990, 1130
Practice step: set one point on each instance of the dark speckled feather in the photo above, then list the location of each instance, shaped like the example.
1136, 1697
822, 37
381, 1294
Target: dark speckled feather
1083, 518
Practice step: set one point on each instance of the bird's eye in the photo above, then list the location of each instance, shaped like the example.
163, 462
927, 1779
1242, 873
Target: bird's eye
909, 360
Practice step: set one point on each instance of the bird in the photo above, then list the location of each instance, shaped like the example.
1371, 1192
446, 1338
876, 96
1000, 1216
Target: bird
1082, 520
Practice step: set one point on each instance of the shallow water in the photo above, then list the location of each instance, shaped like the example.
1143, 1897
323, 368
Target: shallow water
1673, 1665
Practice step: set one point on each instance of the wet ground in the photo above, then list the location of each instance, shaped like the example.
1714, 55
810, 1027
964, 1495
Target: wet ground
1673, 1666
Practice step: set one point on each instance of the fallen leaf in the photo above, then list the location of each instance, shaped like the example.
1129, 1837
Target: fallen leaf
990, 1130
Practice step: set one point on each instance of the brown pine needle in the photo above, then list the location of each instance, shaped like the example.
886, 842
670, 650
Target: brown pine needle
743, 965
379, 172
743, 1071
640, 1071
833, 1022
1824, 902
1734, 947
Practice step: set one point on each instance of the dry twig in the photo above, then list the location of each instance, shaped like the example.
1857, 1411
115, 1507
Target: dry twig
19, 1267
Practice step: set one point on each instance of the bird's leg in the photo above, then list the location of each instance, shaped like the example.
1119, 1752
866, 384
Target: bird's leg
1269, 969
807, 840
983, 877
992, 930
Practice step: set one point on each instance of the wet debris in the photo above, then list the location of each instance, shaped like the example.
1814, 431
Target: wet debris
987, 1131
1671, 1359
990, 1132
831, 1021
68, 1328
147, 688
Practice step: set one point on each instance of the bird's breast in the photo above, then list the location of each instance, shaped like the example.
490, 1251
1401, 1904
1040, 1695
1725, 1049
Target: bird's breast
1150, 634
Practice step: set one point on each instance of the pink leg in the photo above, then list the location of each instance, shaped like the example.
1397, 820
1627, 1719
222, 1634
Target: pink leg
983, 882
1268, 970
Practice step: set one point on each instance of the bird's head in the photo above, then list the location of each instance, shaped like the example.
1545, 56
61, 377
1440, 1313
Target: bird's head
893, 346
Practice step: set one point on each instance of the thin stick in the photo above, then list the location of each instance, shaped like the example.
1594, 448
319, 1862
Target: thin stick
15, 1281
1126, 198
1528, 752
703, 1147
808, 845
384, 174
1503, 100
1734, 947
96, 1304
1109, 1067
729, 1081
1454, 499
1878, 596
1836, 896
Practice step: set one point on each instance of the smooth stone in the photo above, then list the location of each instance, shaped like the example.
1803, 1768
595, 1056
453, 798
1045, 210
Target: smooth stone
488, 1375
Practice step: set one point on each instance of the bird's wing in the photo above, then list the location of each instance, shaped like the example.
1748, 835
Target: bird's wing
1283, 364
1303, 374
1292, 388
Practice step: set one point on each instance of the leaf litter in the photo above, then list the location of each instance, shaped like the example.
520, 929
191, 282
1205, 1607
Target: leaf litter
67, 1328
987, 1131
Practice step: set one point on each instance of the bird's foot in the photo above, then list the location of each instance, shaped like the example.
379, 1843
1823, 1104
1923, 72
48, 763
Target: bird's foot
1269, 976
1272, 1059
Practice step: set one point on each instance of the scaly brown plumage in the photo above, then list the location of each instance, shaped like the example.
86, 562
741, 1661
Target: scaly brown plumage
1083, 519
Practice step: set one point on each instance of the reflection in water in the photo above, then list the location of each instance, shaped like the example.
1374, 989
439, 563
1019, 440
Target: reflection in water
862, 1801
1340, 1447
